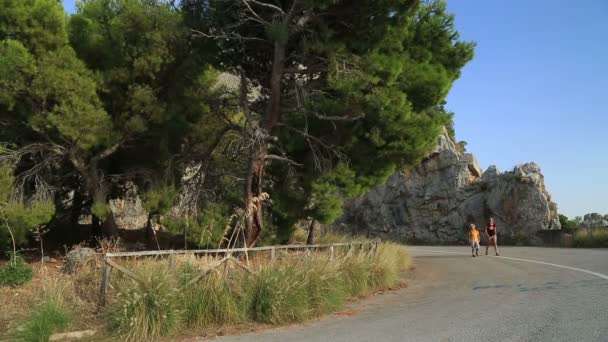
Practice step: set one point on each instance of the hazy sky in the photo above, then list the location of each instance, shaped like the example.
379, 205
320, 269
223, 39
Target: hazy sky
535, 91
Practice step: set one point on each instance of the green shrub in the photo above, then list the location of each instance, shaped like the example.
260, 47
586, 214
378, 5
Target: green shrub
211, 300
387, 264
593, 238
289, 290
15, 273
329, 237
147, 309
278, 294
50, 316
599, 237
326, 288
355, 271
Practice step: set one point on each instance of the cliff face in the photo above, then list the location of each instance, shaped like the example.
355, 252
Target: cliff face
435, 201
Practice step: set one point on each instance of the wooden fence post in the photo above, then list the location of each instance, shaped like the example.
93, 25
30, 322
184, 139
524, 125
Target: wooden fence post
331, 252
105, 281
172, 260
273, 255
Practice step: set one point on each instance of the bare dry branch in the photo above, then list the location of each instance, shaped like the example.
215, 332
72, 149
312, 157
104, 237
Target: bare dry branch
284, 159
262, 21
227, 36
276, 8
338, 118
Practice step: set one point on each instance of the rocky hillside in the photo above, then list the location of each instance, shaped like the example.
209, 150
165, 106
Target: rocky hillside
435, 201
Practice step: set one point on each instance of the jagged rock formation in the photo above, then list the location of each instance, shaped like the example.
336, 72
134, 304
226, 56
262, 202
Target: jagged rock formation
594, 220
435, 201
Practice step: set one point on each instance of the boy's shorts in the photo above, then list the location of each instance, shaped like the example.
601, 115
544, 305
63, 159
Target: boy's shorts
474, 244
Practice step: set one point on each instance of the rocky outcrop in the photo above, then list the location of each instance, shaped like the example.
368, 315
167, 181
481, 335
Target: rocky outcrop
594, 220
435, 201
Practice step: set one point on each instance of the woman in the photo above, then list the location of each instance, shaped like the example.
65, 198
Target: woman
491, 234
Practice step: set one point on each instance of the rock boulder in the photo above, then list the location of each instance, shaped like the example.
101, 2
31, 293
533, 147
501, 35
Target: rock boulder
435, 201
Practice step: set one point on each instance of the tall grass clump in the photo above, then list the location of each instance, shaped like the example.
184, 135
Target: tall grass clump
355, 271
388, 262
291, 289
326, 288
48, 317
215, 299
591, 238
278, 294
148, 308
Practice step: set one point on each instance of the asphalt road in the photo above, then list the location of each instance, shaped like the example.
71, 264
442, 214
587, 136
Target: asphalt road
454, 297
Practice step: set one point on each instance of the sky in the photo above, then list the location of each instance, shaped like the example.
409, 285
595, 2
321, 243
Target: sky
536, 91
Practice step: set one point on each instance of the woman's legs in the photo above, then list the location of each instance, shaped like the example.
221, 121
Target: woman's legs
492, 241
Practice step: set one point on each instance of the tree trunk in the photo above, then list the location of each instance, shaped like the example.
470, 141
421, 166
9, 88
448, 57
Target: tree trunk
254, 203
95, 226
76, 208
14, 256
149, 228
310, 240
254, 183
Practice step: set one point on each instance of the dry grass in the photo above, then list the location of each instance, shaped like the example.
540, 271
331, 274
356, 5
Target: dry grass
80, 293
591, 238
296, 287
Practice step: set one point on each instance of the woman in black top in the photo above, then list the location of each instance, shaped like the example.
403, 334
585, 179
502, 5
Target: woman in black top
491, 234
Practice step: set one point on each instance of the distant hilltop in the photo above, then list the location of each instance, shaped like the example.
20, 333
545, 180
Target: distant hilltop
435, 201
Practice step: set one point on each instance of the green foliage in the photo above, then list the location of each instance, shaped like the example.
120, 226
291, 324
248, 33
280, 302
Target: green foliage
121, 88
48, 317
278, 295
22, 218
15, 273
210, 300
44, 83
395, 76
148, 309
206, 230
160, 200
101, 208
567, 223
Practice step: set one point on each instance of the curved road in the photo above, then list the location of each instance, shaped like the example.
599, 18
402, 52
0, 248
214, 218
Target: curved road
454, 297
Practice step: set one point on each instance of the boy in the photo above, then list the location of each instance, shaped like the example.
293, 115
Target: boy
474, 239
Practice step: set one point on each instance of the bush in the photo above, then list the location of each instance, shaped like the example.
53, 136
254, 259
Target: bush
278, 294
211, 300
329, 237
289, 290
593, 238
50, 316
355, 271
15, 273
326, 288
387, 264
148, 309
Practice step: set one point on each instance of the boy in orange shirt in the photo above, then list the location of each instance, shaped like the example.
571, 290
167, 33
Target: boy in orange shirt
474, 239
